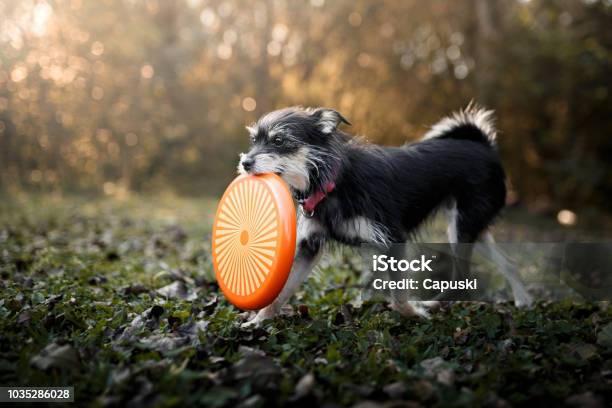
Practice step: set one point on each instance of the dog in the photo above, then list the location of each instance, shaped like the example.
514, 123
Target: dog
354, 192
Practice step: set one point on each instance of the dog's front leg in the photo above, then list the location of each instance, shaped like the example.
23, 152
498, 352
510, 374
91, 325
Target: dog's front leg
310, 243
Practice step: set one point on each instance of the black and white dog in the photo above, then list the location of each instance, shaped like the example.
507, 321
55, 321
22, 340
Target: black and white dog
354, 192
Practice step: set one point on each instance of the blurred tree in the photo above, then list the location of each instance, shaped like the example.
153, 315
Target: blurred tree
121, 95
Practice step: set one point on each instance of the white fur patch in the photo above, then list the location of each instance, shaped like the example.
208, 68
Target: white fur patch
307, 227
329, 121
240, 167
362, 228
293, 168
472, 115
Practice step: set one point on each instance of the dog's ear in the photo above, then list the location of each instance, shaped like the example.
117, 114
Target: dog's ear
328, 120
252, 129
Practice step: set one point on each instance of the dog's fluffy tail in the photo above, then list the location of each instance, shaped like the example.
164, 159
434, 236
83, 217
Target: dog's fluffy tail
472, 123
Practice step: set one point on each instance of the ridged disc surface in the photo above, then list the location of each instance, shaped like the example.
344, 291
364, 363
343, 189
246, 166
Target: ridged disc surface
253, 240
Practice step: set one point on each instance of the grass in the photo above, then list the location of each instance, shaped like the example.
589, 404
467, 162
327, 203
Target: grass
118, 299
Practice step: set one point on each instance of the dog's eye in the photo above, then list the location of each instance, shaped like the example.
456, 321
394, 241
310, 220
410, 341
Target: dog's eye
277, 141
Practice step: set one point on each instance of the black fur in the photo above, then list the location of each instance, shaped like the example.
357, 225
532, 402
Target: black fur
396, 187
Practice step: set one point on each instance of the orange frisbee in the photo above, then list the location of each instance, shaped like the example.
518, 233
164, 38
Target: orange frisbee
253, 240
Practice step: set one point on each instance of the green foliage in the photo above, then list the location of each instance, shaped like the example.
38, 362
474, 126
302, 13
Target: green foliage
117, 299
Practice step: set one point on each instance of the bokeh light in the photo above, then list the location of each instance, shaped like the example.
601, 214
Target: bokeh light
153, 94
249, 104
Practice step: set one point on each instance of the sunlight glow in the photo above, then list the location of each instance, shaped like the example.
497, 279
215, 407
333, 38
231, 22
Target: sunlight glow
40, 17
147, 71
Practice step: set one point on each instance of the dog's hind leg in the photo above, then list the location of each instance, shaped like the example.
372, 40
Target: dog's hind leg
460, 235
508, 269
399, 297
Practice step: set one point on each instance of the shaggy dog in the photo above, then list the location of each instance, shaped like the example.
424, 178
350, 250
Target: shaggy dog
353, 192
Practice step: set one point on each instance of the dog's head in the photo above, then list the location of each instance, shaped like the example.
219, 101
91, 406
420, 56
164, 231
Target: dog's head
298, 144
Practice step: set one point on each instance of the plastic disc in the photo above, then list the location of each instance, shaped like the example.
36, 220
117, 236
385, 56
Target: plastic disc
253, 240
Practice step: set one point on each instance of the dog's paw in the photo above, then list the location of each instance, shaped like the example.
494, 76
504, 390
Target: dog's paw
264, 314
251, 321
409, 309
251, 324
432, 305
523, 300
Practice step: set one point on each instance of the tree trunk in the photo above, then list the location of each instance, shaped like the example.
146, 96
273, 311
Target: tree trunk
485, 52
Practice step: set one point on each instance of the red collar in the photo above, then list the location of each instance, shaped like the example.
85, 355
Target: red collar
310, 203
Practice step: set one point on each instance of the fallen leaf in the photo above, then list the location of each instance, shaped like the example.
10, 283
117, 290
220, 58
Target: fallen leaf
395, 390
585, 400
24, 318
163, 343
304, 386
134, 289
176, 290
432, 365
604, 337
262, 367
438, 368
249, 351
56, 356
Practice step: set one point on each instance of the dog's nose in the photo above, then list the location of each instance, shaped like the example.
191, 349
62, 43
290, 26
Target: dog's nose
247, 163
